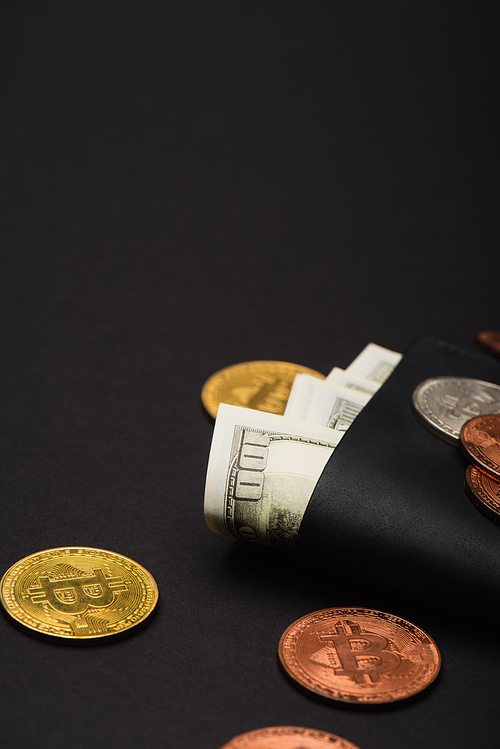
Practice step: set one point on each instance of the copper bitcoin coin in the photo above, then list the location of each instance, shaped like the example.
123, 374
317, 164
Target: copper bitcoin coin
288, 737
261, 385
483, 491
489, 340
480, 443
358, 655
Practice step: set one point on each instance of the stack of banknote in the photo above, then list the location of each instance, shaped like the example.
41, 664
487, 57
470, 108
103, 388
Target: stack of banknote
263, 467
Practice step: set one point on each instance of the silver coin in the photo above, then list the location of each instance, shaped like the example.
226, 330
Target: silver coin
444, 404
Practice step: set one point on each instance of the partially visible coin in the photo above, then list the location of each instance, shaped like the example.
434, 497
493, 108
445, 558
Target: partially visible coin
483, 491
480, 443
79, 594
262, 385
358, 655
288, 737
489, 340
444, 404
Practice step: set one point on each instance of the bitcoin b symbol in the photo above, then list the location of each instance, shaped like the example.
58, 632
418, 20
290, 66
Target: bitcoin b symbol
75, 594
361, 654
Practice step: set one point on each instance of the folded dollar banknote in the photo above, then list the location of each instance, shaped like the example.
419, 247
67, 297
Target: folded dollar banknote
263, 467
351, 479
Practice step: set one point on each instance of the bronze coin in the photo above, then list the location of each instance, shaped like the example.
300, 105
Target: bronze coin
358, 655
480, 443
483, 491
489, 340
288, 737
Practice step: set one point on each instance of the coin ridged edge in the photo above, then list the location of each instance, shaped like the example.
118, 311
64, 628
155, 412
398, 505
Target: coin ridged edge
490, 469
442, 434
483, 501
427, 417
242, 739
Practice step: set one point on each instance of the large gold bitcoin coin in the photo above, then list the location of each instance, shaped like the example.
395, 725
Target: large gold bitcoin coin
78, 594
358, 655
262, 385
288, 737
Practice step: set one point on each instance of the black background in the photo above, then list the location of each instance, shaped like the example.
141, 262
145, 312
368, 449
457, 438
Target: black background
189, 185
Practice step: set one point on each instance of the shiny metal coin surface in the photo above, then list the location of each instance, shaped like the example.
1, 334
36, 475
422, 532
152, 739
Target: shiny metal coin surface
444, 404
480, 443
484, 491
359, 656
288, 737
261, 385
78, 594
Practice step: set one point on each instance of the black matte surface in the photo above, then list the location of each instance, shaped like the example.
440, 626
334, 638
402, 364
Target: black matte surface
185, 186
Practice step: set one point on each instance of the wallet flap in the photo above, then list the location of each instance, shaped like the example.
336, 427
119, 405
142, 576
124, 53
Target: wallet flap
390, 505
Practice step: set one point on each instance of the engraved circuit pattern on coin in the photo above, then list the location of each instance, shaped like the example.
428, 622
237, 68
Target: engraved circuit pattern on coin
288, 737
358, 655
261, 385
483, 491
480, 443
78, 594
444, 404
489, 340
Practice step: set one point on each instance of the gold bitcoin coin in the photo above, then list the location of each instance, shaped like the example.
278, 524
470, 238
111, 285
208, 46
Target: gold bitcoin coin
262, 385
78, 594
358, 655
288, 737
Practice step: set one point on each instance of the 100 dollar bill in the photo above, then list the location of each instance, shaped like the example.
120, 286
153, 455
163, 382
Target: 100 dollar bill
261, 474
316, 402
342, 378
336, 401
374, 363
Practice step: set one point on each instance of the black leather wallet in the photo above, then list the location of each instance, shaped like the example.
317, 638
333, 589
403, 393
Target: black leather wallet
390, 506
